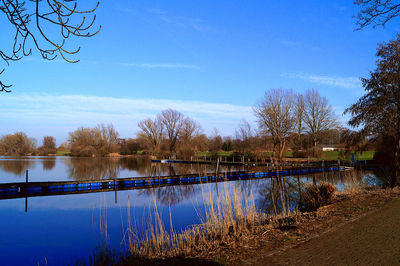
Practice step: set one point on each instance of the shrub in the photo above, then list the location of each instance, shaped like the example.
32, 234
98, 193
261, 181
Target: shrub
316, 196
16, 144
300, 154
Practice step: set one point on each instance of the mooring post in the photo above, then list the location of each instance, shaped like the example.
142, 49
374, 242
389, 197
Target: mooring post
115, 190
216, 170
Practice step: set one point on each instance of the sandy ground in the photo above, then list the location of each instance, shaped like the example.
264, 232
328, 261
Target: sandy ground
373, 239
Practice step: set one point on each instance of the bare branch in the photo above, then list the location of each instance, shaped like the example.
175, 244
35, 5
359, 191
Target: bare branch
376, 12
31, 21
276, 117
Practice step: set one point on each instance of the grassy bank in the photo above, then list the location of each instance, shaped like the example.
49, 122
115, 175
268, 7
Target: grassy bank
335, 155
63, 153
233, 233
326, 155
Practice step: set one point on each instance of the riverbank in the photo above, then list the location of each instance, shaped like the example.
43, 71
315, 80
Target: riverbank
267, 241
346, 208
373, 239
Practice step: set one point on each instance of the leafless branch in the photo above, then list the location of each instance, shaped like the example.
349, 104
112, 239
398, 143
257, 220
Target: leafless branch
376, 12
32, 21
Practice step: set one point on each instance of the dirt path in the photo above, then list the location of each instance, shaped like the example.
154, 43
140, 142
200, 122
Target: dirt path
372, 239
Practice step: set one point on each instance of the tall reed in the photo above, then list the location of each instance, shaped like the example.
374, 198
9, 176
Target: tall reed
227, 216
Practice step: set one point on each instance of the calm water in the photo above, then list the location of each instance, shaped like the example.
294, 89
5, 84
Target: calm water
62, 229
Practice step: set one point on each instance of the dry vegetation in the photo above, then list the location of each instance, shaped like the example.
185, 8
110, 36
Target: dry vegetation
231, 223
233, 231
227, 218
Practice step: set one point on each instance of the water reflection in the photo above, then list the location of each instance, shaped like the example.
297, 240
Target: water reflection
89, 214
92, 168
172, 195
68, 168
284, 194
280, 195
106, 168
16, 166
49, 163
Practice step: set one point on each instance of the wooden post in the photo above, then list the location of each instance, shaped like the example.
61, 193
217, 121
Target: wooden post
115, 189
26, 190
216, 171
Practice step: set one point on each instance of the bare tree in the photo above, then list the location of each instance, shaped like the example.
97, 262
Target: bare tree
244, 131
101, 140
318, 116
152, 133
299, 118
16, 144
109, 138
49, 146
243, 134
34, 20
172, 122
276, 117
189, 130
215, 141
376, 12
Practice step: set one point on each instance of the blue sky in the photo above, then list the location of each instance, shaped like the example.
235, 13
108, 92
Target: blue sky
211, 60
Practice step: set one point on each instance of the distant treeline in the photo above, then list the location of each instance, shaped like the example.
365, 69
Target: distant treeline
171, 134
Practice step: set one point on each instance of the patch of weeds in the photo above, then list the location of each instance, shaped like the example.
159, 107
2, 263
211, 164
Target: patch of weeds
289, 239
316, 196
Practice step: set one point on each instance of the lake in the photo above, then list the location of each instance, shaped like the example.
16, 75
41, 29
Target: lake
66, 228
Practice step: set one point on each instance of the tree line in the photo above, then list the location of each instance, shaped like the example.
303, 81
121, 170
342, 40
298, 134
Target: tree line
286, 122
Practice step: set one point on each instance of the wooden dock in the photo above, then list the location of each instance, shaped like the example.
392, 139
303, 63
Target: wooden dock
37, 189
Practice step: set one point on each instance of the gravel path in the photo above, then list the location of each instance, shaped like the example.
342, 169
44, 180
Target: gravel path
371, 240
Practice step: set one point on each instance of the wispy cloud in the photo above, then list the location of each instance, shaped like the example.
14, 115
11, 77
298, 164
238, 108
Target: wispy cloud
63, 113
333, 81
157, 11
160, 65
124, 64
196, 24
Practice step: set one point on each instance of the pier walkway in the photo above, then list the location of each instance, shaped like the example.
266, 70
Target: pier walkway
35, 189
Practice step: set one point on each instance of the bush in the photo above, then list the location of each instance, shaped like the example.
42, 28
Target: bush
300, 154
316, 196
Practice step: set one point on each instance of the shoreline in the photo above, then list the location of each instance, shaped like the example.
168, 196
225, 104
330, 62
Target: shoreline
346, 208
278, 235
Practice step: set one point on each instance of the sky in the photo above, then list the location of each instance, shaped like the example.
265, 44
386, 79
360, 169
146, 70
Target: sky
210, 60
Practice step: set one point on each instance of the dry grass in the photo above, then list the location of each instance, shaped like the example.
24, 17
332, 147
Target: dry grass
316, 196
226, 218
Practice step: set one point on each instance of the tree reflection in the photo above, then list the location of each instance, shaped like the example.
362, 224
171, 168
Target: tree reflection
172, 195
17, 166
105, 168
93, 168
49, 163
283, 194
280, 195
